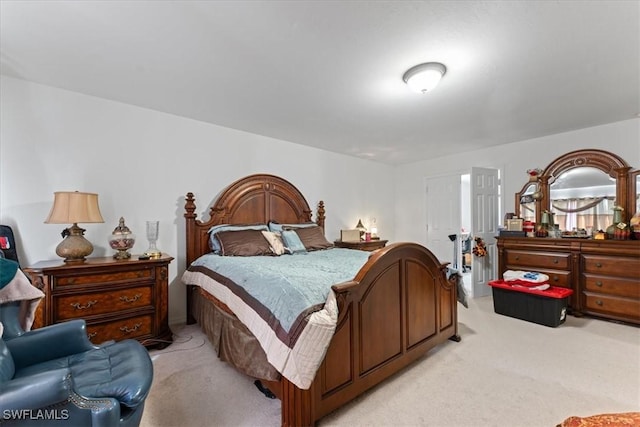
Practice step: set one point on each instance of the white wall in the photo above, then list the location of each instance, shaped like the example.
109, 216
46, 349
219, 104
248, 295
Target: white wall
621, 138
143, 162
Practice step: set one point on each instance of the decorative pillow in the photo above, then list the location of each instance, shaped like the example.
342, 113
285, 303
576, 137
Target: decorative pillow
313, 238
600, 420
274, 226
213, 241
243, 243
275, 241
293, 242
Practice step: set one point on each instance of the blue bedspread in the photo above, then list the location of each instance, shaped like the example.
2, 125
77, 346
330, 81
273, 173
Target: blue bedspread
288, 285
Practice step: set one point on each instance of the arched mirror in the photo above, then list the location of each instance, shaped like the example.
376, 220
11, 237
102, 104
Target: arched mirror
583, 198
581, 187
526, 201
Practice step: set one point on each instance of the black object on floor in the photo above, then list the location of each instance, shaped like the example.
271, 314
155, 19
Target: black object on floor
264, 390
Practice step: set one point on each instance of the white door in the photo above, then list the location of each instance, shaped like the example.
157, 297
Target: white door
484, 224
443, 215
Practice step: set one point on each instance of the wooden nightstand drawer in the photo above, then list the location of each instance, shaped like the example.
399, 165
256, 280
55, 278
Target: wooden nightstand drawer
133, 327
553, 260
117, 298
106, 278
614, 266
612, 286
91, 303
364, 245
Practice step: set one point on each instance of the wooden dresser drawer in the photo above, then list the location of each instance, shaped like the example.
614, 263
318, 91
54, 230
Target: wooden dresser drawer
558, 278
537, 260
91, 303
612, 306
106, 278
120, 329
612, 286
608, 265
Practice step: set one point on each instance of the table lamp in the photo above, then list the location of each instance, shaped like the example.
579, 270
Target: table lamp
72, 207
361, 227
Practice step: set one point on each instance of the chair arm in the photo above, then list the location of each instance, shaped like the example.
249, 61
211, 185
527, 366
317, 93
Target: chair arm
50, 342
35, 391
28, 400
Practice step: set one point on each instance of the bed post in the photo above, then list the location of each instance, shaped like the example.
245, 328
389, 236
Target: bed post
297, 405
320, 217
190, 219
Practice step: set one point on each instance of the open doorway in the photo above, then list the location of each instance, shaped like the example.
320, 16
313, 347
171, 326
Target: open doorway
465, 206
465, 232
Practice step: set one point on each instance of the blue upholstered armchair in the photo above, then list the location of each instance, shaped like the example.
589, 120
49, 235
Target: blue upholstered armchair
56, 376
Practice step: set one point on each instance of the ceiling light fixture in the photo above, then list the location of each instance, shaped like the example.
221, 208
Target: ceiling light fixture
424, 77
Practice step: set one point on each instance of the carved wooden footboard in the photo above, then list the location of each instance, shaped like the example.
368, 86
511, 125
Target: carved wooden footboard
398, 307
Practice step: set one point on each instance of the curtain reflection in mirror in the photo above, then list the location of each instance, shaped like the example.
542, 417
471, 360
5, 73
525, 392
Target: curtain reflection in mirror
589, 213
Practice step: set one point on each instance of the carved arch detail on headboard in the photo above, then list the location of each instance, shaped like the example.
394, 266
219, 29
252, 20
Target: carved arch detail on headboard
260, 198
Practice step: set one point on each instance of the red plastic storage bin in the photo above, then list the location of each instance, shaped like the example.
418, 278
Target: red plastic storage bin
546, 307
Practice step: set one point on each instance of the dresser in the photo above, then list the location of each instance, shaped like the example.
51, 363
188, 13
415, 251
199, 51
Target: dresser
118, 299
604, 274
363, 245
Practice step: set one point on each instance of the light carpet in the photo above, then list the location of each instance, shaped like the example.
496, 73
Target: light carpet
504, 372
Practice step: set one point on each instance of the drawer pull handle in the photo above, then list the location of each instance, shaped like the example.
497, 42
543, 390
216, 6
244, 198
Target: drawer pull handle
78, 306
555, 260
556, 278
125, 298
517, 257
598, 264
599, 283
599, 302
92, 334
128, 330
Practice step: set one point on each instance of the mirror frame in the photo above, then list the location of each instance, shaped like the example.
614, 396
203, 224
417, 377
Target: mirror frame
633, 191
611, 164
519, 194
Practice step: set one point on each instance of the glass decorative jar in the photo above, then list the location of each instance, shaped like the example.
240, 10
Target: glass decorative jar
122, 240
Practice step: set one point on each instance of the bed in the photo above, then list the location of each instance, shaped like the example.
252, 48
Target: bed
397, 307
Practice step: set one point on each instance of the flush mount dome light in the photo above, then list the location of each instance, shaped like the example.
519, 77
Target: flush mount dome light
424, 77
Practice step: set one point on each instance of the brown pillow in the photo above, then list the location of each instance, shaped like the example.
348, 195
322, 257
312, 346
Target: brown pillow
313, 238
243, 243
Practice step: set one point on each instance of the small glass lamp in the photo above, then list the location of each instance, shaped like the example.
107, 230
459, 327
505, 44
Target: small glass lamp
72, 207
374, 229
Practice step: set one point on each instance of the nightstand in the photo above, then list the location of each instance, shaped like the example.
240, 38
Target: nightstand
362, 245
118, 299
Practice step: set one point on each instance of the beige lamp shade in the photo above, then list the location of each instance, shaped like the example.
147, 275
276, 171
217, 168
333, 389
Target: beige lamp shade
72, 207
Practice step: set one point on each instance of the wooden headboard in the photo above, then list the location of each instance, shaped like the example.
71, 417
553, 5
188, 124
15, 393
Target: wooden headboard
253, 199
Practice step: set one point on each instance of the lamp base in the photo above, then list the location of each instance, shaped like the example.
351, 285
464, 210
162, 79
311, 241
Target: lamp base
153, 254
74, 247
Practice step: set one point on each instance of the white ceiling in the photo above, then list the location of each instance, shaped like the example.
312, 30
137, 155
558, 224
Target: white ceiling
328, 74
